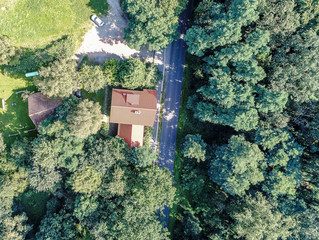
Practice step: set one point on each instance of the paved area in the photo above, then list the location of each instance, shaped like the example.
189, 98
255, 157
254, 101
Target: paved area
174, 62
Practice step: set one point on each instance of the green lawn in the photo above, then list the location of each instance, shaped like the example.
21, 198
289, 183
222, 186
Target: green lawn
97, 97
15, 119
35, 23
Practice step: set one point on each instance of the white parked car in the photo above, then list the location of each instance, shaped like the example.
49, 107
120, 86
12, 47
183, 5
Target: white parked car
97, 20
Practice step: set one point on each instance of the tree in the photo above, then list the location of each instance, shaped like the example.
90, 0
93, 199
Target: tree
85, 119
217, 26
269, 138
279, 18
234, 73
152, 23
280, 184
16, 228
6, 50
194, 147
111, 69
270, 101
58, 226
150, 195
59, 79
143, 156
308, 9
132, 73
92, 78
84, 206
44, 179
85, 181
259, 219
2, 144
295, 66
237, 165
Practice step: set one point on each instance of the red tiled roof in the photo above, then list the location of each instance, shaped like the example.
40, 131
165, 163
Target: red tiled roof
133, 107
132, 134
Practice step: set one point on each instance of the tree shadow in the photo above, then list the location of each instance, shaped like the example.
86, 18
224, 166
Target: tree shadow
99, 7
15, 119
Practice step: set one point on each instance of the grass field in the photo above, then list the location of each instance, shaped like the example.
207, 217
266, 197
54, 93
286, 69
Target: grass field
15, 119
34, 23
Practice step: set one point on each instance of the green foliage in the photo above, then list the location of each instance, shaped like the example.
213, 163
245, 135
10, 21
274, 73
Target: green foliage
229, 98
237, 165
117, 186
6, 50
259, 219
217, 26
280, 184
269, 138
59, 79
33, 59
152, 23
2, 144
270, 101
143, 156
111, 68
194, 147
85, 119
279, 18
309, 10
16, 228
133, 74
150, 195
84, 206
85, 181
295, 66
92, 78
58, 226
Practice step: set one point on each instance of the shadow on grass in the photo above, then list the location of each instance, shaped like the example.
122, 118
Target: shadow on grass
99, 7
15, 119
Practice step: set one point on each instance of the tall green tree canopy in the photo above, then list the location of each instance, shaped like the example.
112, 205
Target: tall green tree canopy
85, 119
92, 78
259, 219
153, 23
237, 165
135, 74
217, 25
59, 79
295, 66
194, 147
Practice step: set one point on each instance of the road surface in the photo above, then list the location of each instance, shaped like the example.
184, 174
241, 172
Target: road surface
174, 62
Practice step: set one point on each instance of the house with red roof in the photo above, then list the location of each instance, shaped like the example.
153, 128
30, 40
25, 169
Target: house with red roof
133, 110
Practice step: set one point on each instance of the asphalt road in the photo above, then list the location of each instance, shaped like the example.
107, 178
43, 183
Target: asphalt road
174, 60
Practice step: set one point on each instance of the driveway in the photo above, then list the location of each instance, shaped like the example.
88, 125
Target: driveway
101, 43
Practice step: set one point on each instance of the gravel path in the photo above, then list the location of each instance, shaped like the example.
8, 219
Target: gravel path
101, 43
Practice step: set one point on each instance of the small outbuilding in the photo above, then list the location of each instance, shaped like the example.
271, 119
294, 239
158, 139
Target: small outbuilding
40, 107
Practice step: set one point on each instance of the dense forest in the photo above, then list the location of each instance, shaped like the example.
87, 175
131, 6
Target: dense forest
249, 149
